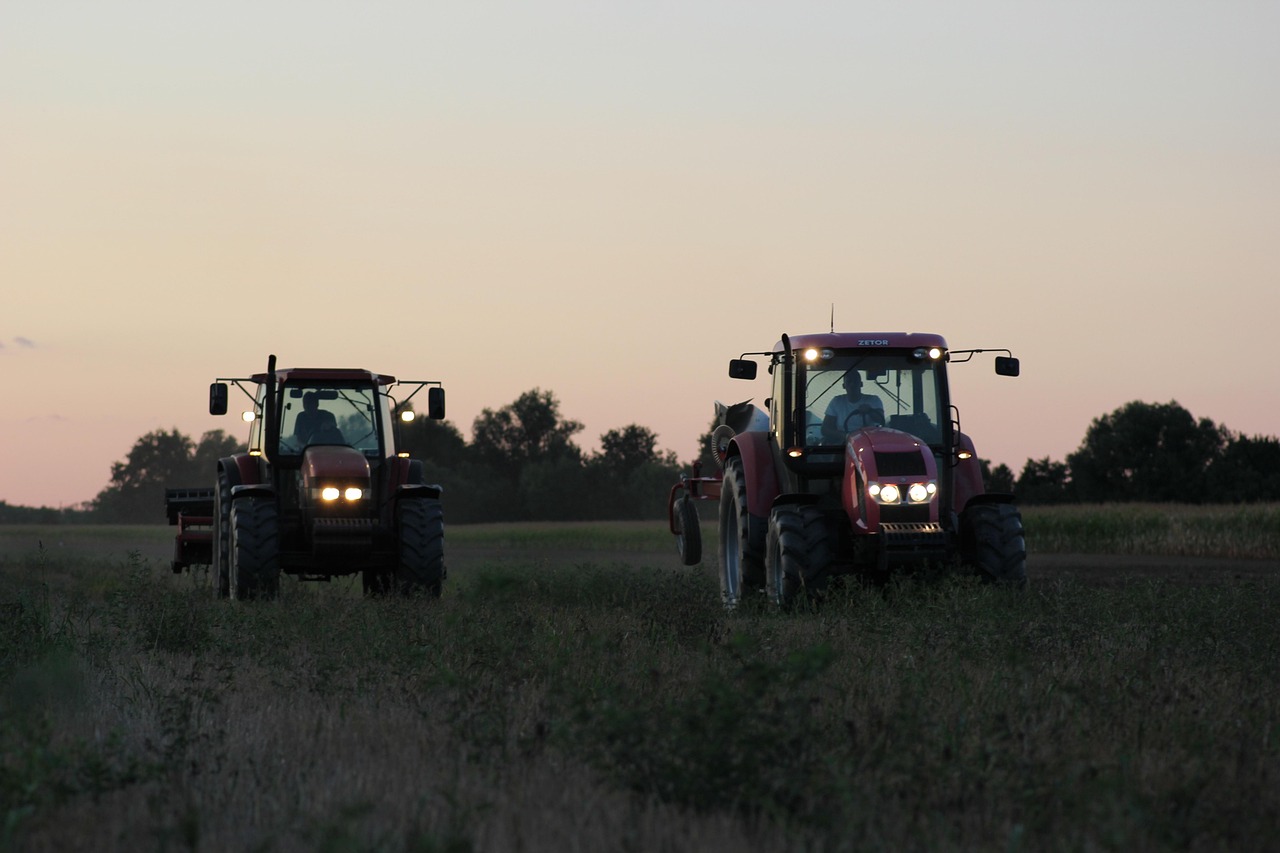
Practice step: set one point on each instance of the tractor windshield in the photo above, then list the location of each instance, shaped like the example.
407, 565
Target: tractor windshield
852, 391
327, 414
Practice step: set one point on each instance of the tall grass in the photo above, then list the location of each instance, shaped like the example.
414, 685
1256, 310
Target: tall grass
1168, 530
590, 703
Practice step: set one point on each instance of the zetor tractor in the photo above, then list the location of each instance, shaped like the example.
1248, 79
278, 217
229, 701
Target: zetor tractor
320, 491
856, 465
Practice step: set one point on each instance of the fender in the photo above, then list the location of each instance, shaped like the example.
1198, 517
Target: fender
757, 467
253, 490
419, 490
403, 471
967, 475
241, 469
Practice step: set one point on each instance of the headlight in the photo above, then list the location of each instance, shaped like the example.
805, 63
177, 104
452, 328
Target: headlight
890, 493
329, 494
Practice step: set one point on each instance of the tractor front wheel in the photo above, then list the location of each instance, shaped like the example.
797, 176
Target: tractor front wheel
420, 525
797, 555
219, 572
254, 549
994, 544
741, 541
689, 539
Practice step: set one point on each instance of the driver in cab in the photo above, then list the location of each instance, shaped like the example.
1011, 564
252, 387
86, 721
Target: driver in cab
851, 411
314, 423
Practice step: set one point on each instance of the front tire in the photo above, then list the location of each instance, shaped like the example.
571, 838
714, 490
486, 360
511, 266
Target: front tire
797, 555
219, 572
994, 544
689, 539
420, 526
741, 547
254, 549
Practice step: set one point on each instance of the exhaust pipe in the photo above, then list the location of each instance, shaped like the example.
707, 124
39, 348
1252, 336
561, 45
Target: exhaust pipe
270, 431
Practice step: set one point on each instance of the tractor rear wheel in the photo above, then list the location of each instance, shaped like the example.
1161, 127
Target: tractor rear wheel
219, 574
689, 539
797, 555
994, 544
254, 549
741, 541
420, 525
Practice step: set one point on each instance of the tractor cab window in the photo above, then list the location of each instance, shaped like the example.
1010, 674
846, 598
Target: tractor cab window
851, 392
317, 415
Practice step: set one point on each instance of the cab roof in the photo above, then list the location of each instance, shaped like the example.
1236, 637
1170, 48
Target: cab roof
865, 340
322, 375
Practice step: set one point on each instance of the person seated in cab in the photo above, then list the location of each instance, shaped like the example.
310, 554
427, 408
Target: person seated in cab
851, 411
314, 423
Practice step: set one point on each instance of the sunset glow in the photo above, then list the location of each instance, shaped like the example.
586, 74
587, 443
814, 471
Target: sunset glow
611, 202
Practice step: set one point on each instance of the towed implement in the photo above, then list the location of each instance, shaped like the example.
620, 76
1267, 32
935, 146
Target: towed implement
856, 465
321, 490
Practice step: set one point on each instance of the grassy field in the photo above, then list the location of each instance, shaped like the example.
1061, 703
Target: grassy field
576, 689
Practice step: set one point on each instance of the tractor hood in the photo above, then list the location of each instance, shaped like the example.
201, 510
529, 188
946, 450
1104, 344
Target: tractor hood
883, 467
337, 463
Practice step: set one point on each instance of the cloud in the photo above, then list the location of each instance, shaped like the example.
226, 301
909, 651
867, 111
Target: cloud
26, 343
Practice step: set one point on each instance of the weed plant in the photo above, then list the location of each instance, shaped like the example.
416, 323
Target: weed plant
553, 703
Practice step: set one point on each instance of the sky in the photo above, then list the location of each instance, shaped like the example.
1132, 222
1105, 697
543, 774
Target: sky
611, 200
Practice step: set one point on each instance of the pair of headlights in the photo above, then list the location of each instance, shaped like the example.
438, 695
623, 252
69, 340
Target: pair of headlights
350, 494
891, 493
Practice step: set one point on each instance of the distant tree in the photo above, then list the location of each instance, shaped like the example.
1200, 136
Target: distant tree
159, 460
625, 450
214, 445
529, 429
1146, 452
1247, 471
998, 479
1043, 481
433, 441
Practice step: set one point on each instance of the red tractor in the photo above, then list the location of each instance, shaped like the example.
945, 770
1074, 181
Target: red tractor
855, 465
320, 491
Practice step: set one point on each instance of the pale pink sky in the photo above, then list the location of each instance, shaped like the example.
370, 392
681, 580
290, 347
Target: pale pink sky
610, 202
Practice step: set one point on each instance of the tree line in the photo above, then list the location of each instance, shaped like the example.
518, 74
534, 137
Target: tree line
522, 463
1152, 452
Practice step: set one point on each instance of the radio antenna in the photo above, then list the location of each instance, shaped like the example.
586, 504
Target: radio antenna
833, 317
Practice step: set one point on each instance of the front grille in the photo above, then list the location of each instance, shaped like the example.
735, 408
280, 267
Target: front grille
900, 465
905, 514
913, 537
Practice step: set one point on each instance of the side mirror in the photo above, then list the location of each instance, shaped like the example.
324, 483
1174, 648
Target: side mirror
1006, 365
218, 398
742, 368
435, 403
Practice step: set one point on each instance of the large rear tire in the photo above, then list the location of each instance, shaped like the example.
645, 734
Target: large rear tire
994, 544
420, 527
741, 549
797, 555
254, 549
219, 572
689, 539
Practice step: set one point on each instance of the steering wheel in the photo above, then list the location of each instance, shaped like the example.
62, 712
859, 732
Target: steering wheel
869, 415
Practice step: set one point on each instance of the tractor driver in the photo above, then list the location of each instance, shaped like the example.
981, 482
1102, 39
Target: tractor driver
851, 411
312, 420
